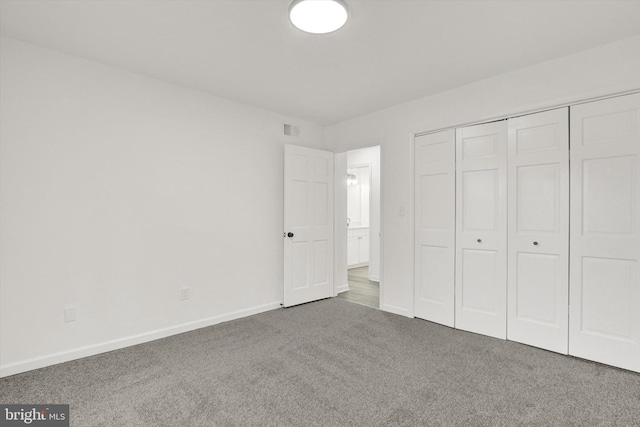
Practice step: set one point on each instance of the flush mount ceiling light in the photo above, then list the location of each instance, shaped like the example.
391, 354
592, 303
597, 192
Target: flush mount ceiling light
318, 16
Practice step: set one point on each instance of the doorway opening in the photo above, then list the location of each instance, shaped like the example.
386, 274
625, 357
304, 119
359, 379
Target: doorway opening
361, 201
361, 289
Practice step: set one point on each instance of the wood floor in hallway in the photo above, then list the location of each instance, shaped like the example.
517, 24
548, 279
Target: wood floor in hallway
361, 289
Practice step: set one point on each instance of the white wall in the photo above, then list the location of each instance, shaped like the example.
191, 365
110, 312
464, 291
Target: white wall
605, 70
358, 196
117, 190
371, 156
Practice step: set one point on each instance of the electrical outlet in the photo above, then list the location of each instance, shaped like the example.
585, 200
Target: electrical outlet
185, 293
70, 314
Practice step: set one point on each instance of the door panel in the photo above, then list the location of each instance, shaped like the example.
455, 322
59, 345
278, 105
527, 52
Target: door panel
479, 147
538, 197
481, 229
535, 289
608, 199
308, 214
433, 266
321, 212
605, 232
480, 276
435, 227
480, 200
608, 128
300, 254
434, 191
299, 203
607, 288
538, 193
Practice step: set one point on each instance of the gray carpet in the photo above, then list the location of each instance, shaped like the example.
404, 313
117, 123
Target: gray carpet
332, 363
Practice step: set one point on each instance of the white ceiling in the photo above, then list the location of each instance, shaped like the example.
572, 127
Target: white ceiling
389, 52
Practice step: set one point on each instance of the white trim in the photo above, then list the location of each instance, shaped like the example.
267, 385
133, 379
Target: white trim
342, 288
358, 265
381, 286
567, 101
340, 228
396, 310
92, 350
412, 220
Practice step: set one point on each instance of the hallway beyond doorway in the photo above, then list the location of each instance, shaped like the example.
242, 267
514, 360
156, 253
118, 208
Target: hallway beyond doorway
361, 289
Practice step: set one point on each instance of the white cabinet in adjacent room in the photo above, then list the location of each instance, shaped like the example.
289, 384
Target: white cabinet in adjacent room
353, 250
357, 247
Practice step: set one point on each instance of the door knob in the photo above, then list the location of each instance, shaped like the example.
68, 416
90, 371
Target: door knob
479, 240
535, 243
289, 234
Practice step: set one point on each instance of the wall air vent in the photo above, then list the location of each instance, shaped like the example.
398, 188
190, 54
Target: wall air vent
291, 130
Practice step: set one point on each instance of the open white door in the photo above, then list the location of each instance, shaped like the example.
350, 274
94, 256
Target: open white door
435, 226
538, 242
308, 225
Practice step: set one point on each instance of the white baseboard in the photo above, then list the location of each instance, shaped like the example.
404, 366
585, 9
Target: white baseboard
343, 288
396, 310
358, 265
374, 278
92, 350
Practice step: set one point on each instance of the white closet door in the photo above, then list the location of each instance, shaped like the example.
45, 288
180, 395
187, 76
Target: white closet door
538, 255
481, 229
435, 226
604, 316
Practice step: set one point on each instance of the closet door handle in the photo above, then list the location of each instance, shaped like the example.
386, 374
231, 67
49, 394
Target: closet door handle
289, 234
479, 240
535, 243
